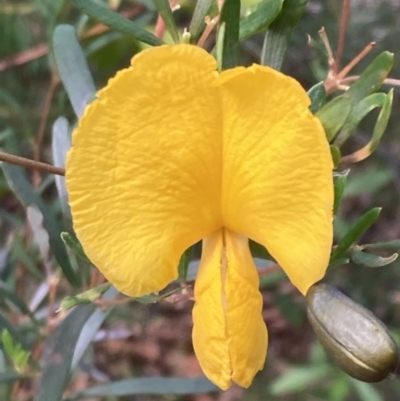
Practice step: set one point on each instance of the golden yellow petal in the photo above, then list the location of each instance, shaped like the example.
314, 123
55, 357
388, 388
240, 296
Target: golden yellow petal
229, 335
144, 173
277, 173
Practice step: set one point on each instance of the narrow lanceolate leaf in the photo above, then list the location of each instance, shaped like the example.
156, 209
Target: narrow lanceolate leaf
393, 245
58, 352
368, 260
384, 101
116, 21
197, 23
149, 386
85, 297
165, 11
60, 144
91, 328
73, 243
277, 37
73, 69
334, 115
24, 191
372, 78
317, 95
260, 19
228, 35
367, 84
355, 232
336, 155
339, 180
339, 262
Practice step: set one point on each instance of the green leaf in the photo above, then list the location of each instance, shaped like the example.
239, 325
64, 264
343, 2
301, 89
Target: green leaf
91, 327
5, 325
149, 386
73, 69
317, 94
184, 263
58, 352
228, 35
366, 391
24, 191
339, 181
297, 379
277, 37
339, 389
336, 155
60, 144
21, 359
367, 84
393, 245
260, 19
8, 343
198, 20
372, 78
368, 260
73, 243
339, 262
84, 298
116, 21
359, 111
334, 114
355, 232
364, 107
15, 351
152, 298
369, 181
164, 9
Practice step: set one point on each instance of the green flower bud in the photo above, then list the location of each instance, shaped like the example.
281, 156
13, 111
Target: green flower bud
358, 342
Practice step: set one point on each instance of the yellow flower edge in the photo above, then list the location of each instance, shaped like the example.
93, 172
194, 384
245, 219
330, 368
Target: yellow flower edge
172, 152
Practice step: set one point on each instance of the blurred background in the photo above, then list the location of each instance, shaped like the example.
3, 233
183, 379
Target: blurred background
130, 339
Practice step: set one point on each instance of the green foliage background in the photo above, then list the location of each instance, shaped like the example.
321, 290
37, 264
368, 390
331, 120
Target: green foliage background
297, 367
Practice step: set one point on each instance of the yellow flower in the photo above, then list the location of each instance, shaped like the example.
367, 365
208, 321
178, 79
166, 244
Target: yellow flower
173, 152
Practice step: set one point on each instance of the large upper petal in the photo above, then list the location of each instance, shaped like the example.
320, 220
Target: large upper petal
144, 173
229, 334
277, 173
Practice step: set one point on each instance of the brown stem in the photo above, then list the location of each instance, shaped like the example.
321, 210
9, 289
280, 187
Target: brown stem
21, 161
160, 28
333, 82
356, 60
266, 271
54, 81
45, 114
352, 78
207, 31
342, 34
41, 50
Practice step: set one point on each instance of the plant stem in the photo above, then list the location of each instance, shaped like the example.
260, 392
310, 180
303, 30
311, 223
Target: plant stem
342, 34
21, 161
